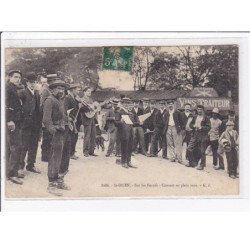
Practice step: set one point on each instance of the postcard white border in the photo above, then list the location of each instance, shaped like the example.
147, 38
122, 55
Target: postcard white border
92, 39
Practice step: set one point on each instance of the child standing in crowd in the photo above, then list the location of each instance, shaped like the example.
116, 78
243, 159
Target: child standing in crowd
230, 142
214, 135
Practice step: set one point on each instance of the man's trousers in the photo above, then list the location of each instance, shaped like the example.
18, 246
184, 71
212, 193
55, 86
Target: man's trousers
214, 145
196, 150
13, 152
74, 138
138, 137
232, 161
89, 138
174, 143
154, 141
30, 138
46, 144
60, 154
112, 131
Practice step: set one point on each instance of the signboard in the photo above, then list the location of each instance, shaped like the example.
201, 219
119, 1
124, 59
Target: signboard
208, 103
203, 92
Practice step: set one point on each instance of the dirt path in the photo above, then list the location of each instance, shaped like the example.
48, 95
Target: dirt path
102, 177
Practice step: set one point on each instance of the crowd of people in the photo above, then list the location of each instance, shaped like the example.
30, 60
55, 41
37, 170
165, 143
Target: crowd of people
51, 110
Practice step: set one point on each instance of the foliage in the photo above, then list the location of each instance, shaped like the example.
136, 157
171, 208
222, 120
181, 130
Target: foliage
79, 64
153, 67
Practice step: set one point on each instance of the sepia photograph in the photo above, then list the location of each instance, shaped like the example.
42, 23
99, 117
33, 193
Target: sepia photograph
121, 121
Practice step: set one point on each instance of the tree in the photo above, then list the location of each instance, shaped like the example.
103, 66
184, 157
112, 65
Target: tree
164, 71
196, 64
224, 77
143, 58
80, 64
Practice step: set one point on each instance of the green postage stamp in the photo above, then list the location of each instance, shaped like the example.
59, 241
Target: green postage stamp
117, 58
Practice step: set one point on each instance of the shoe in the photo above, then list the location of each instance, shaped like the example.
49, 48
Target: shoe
152, 155
33, 170
86, 154
232, 176
188, 165
16, 180
107, 155
200, 168
216, 167
165, 157
180, 162
52, 189
124, 165
74, 157
130, 165
172, 160
20, 174
62, 185
93, 154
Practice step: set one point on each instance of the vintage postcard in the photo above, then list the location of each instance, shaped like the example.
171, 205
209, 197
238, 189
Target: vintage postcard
104, 120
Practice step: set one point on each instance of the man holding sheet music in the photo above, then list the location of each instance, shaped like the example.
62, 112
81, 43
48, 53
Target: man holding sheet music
125, 122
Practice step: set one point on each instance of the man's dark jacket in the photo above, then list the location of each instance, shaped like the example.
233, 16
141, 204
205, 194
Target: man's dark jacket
32, 117
177, 120
14, 110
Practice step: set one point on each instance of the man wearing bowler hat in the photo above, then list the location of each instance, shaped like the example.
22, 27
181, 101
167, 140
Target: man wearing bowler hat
73, 107
55, 121
126, 132
14, 117
214, 135
32, 123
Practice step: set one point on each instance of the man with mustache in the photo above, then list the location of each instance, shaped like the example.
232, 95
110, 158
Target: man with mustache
55, 121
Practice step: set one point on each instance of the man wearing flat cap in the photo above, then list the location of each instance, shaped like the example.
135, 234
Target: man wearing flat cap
73, 107
55, 121
31, 125
197, 146
14, 117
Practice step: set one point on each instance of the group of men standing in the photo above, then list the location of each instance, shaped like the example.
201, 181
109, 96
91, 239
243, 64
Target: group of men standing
42, 106
166, 129
50, 109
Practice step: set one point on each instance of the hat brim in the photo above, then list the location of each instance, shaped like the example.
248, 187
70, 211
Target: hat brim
54, 85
